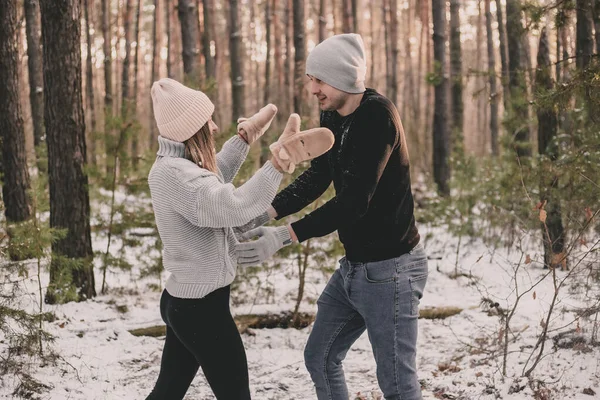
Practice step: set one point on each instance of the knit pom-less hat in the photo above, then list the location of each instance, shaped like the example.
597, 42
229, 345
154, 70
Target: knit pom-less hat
339, 61
179, 111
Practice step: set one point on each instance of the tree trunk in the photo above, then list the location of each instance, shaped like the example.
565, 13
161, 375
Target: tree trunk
372, 34
347, 20
278, 54
518, 123
34, 63
14, 158
207, 39
492, 79
355, 7
456, 71
322, 20
125, 109
236, 56
107, 48
65, 129
554, 237
394, 51
597, 24
287, 66
441, 137
299, 56
268, 19
168, 28
503, 55
136, 62
585, 39
89, 72
386, 41
189, 33
152, 139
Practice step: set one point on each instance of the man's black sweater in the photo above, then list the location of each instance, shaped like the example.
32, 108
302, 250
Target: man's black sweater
369, 166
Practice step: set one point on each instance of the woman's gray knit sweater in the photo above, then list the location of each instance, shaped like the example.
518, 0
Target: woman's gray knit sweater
196, 210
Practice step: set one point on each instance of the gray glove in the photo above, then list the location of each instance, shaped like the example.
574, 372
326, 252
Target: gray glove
255, 223
271, 239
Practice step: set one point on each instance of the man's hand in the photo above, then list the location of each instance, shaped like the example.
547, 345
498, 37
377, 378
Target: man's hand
270, 240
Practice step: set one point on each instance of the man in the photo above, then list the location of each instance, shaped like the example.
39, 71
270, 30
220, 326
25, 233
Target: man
381, 279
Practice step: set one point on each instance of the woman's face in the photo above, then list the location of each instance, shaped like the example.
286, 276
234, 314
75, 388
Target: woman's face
213, 127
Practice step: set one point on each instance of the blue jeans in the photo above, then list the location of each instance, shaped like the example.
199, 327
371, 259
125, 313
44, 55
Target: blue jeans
383, 298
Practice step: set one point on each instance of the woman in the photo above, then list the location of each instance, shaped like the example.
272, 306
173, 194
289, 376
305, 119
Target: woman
196, 207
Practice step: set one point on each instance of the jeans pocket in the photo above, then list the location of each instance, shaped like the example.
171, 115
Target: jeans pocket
380, 271
417, 286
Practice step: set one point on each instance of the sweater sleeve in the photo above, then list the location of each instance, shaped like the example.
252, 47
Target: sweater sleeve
311, 184
231, 157
205, 201
370, 143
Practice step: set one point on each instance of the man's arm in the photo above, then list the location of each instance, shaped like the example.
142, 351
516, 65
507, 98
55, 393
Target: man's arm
366, 156
311, 184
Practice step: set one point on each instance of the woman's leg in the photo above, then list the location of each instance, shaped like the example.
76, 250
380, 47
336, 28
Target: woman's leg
210, 333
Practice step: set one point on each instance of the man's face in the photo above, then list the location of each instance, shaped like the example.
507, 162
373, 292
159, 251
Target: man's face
330, 98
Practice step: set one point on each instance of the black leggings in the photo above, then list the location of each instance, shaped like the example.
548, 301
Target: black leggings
201, 333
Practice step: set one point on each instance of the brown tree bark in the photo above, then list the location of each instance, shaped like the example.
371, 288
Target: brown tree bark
16, 176
126, 106
268, 19
519, 114
299, 56
456, 78
322, 20
208, 36
107, 48
597, 24
393, 94
136, 62
503, 54
278, 53
492, 80
347, 20
189, 33
65, 128
236, 56
441, 134
152, 139
168, 28
34, 63
89, 72
287, 65
554, 237
584, 42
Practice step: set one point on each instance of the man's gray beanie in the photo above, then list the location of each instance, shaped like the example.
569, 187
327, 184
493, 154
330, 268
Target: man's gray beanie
339, 61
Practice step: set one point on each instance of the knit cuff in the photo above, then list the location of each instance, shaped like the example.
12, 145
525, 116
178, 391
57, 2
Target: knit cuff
238, 143
271, 171
283, 234
261, 219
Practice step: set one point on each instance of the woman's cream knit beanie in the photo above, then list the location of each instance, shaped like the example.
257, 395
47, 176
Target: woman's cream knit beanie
179, 111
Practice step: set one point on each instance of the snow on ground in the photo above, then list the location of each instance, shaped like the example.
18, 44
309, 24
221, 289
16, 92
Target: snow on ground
101, 360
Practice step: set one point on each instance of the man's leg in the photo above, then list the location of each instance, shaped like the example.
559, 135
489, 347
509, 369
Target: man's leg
336, 327
387, 294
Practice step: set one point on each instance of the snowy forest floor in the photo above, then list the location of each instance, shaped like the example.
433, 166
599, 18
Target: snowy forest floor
458, 357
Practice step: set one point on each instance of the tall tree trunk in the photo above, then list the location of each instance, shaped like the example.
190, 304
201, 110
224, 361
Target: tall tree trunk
322, 20
386, 40
518, 115
268, 19
107, 48
503, 54
372, 34
34, 63
585, 38
355, 7
456, 78
208, 38
89, 72
287, 66
492, 79
299, 56
152, 139
126, 106
394, 51
136, 62
554, 237
597, 24
189, 33
278, 54
441, 137
347, 20
168, 28
65, 128
14, 158
236, 56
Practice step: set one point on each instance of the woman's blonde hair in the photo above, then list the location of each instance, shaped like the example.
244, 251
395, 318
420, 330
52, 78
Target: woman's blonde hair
200, 149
